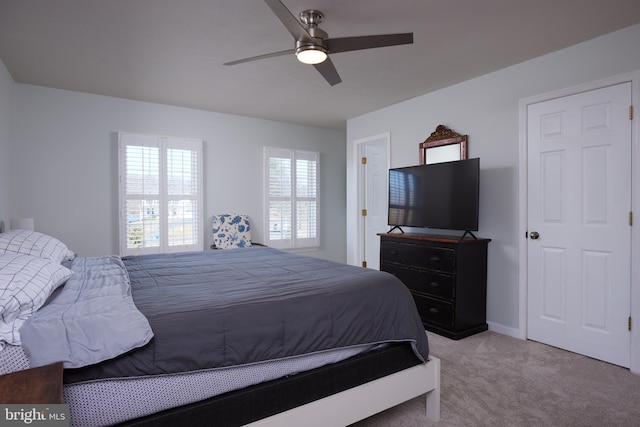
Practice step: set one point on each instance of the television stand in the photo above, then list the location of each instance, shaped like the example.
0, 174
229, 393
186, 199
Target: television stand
394, 227
469, 233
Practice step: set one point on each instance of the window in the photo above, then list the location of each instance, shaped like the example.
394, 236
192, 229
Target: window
160, 194
292, 198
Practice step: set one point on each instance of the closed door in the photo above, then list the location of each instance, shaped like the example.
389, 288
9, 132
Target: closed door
579, 233
373, 196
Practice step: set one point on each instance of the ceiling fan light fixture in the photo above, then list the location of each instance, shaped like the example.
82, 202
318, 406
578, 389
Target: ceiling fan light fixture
311, 54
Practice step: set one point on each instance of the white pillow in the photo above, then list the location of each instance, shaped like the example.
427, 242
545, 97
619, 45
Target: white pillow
35, 244
25, 284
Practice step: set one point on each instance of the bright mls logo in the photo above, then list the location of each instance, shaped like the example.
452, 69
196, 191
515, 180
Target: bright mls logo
36, 415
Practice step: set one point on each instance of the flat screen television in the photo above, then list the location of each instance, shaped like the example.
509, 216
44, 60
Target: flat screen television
440, 195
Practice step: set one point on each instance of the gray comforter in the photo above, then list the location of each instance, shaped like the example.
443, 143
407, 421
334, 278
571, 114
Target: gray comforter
232, 307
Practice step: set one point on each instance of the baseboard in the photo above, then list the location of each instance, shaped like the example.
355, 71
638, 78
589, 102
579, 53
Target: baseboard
504, 330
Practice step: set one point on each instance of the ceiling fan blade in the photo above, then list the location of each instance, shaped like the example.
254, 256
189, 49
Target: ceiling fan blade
265, 56
346, 44
328, 71
295, 27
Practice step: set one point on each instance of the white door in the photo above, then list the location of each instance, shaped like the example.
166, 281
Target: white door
373, 193
579, 254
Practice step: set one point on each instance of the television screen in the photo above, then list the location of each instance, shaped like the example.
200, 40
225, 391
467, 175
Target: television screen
440, 195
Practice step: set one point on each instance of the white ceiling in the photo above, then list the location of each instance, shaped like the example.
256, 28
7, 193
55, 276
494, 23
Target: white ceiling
172, 51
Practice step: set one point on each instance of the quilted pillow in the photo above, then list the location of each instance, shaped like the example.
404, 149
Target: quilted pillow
35, 244
25, 284
231, 231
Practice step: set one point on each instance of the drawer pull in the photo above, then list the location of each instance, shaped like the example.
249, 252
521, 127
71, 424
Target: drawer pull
434, 310
434, 284
435, 258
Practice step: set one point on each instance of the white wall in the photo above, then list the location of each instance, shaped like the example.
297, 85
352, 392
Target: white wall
6, 90
64, 164
486, 108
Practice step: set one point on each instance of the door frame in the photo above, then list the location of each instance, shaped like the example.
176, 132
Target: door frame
357, 147
634, 78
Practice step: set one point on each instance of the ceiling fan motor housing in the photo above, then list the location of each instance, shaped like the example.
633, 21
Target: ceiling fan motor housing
311, 18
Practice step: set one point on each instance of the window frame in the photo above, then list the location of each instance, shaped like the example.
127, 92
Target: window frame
164, 197
294, 243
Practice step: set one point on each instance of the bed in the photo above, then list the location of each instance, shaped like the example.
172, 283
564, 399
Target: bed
245, 336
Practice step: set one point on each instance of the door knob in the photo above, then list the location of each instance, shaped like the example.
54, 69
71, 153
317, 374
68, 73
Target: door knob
534, 235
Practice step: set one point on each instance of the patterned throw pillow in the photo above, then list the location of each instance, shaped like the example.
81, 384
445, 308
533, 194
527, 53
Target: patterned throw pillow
231, 231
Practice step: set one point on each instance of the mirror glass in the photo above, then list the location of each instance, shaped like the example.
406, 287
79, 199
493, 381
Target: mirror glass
444, 153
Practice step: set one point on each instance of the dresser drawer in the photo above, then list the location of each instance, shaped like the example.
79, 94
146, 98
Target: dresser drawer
423, 281
441, 259
434, 311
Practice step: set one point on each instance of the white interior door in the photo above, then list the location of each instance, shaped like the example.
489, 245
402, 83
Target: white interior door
579, 202
373, 193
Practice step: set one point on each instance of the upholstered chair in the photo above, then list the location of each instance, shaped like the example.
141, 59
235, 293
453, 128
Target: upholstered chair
231, 231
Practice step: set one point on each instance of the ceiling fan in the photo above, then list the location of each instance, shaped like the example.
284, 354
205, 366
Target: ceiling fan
313, 45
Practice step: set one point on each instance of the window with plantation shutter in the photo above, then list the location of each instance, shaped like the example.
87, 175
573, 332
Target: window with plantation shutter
160, 194
292, 198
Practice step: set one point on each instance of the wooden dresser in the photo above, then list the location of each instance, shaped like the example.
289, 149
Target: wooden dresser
447, 277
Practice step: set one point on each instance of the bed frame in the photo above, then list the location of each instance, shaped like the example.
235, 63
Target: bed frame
333, 395
367, 400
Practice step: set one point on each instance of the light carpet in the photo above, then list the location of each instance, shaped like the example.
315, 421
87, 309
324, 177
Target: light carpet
490, 379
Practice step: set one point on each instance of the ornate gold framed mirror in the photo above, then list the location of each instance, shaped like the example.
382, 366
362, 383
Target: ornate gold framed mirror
443, 145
